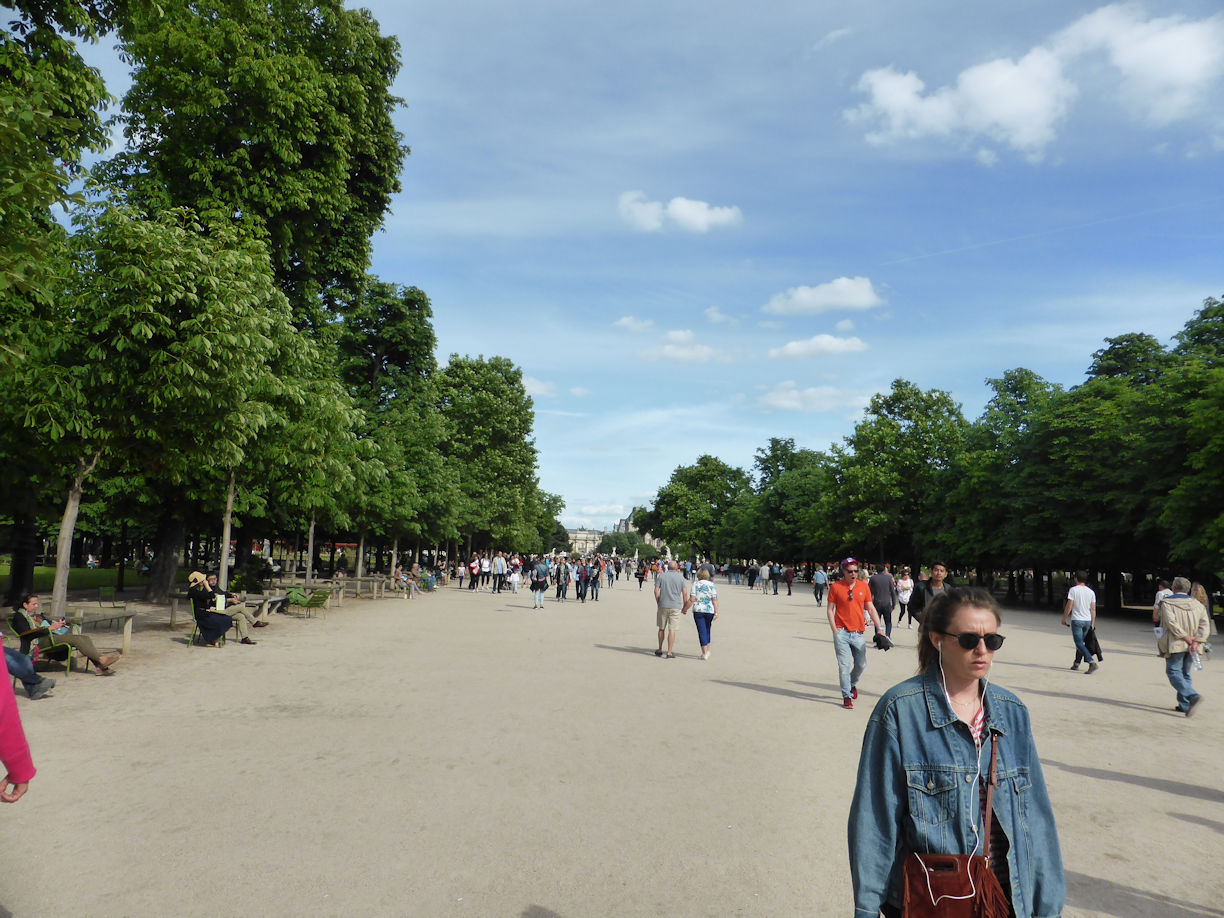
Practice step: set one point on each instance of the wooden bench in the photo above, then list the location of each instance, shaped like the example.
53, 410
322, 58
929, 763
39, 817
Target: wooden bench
79, 617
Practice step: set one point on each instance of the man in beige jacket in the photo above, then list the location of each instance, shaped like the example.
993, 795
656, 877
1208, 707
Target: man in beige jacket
1186, 627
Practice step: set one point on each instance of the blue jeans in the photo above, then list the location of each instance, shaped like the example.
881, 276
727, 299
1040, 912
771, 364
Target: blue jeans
704, 620
1078, 630
885, 613
851, 650
19, 665
1177, 668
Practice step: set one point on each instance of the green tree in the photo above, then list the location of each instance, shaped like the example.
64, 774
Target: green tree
140, 356
273, 115
888, 474
688, 510
488, 444
49, 116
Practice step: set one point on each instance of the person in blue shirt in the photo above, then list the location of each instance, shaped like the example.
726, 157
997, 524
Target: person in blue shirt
925, 757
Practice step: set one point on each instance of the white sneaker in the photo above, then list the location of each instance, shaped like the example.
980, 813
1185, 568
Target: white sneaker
706, 655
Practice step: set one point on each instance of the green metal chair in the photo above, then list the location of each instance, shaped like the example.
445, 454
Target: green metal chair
316, 600
40, 643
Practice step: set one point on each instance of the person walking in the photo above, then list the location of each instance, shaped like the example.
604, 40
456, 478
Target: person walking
905, 590
927, 590
539, 582
705, 609
849, 607
1186, 628
883, 595
820, 580
1081, 607
925, 783
671, 593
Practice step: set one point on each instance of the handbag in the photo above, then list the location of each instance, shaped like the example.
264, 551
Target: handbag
956, 885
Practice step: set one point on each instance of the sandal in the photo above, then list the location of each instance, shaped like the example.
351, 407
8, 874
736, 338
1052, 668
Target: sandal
105, 671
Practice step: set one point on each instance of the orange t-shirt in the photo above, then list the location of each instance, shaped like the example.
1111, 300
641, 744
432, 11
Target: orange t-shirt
850, 607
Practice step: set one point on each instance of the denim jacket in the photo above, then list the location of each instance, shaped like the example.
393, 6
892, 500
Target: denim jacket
918, 791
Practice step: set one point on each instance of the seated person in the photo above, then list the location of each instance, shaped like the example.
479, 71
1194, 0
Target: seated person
236, 610
213, 624
399, 580
19, 665
26, 619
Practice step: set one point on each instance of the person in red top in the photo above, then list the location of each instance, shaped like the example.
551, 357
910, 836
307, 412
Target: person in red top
14, 750
849, 606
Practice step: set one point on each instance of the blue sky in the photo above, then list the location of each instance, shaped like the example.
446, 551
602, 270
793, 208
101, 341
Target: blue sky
696, 227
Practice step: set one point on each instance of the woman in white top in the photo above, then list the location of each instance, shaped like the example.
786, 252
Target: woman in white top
905, 589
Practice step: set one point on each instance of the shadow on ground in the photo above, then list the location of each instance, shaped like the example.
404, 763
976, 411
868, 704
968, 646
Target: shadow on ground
1178, 788
789, 693
1099, 895
1112, 702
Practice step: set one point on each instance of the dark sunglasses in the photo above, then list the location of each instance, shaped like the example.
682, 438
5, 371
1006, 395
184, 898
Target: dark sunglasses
969, 640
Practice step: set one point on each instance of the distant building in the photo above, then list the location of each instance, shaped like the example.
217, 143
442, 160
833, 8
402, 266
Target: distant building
585, 541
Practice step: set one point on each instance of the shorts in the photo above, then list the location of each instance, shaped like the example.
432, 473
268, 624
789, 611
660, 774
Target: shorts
668, 619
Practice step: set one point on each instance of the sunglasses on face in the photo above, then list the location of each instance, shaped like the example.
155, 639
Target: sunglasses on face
852, 570
969, 640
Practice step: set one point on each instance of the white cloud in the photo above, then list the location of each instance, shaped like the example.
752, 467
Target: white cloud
787, 396
1167, 69
830, 37
845, 325
1168, 65
694, 216
637, 326
842, 293
817, 345
537, 388
639, 213
718, 317
579, 392
681, 353
617, 510
1017, 103
679, 337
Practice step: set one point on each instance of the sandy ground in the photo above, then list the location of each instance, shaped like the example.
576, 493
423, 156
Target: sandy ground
461, 755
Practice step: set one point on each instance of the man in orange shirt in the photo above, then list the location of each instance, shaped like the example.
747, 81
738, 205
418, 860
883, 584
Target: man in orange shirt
849, 605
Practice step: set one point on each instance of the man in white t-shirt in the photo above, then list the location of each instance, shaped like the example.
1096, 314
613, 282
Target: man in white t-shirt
1081, 607
1162, 592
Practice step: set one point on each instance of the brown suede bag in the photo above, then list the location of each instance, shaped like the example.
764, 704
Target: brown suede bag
956, 885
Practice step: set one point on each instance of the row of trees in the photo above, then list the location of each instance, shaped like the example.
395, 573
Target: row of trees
201, 341
1124, 472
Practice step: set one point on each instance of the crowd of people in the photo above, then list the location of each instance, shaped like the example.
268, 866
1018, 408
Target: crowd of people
949, 801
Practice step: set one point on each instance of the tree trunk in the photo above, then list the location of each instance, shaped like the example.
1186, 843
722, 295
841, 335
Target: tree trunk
63, 545
25, 552
394, 553
122, 568
223, 573
309, 552
360, 554
1113, 590
167, 544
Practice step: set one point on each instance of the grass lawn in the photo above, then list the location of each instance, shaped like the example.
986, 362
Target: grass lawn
79, 578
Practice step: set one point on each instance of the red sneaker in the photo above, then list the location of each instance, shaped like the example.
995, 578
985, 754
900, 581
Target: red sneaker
854, 693
847, 703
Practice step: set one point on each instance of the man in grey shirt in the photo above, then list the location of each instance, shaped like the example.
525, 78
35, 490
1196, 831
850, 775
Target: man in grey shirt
883, 595
672, 599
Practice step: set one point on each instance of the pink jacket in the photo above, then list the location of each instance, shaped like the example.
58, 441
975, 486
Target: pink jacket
14, 750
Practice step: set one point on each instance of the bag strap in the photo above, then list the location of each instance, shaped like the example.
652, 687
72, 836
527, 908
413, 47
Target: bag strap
991, 783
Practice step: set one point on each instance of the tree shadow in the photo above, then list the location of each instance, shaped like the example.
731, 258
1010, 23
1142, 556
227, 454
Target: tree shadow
1112, 702
784, 692
1177, 788
531, 911
1200, 821
1101, 895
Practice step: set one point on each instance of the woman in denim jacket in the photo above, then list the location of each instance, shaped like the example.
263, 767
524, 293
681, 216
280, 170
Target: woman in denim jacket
926, 755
